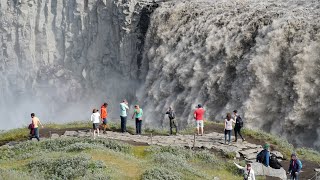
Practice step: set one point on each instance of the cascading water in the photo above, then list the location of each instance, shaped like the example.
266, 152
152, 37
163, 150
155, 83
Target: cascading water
62, 58
260, 57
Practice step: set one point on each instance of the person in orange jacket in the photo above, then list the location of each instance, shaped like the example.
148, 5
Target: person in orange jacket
104, 115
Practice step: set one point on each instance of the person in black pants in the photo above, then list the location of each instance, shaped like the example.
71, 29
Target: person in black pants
173, 123
238, 126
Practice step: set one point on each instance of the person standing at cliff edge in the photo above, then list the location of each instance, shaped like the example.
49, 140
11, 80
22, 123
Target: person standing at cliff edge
123, 115
173, 123
35, 122
95, 118
104, 115
137, 114
238, 126
199, 117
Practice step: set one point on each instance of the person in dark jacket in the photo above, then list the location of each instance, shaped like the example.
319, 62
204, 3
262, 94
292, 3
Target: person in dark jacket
264, 156
274, 163
237, 127
294, 167
173, 123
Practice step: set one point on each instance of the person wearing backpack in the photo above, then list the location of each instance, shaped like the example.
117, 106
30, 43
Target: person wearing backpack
238, 126
264, 155
294, 167
173, 123
274, 163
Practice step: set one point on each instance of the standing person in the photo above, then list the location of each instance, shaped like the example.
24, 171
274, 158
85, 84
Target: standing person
198, 116
35, 122
294, 167
228, 128
238, 125
137, 114
104, 115
264, 155
172, 116
95, 119
123, 115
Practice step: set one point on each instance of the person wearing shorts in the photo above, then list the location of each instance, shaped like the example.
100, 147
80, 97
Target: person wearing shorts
95, 119
103, 116
198, 116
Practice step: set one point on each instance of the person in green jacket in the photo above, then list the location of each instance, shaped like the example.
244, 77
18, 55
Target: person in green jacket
138, 117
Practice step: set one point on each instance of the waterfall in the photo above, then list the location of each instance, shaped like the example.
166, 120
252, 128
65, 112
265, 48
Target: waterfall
62, 58
259, 57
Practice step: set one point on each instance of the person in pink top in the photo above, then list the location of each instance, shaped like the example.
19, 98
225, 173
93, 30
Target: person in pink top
199, 117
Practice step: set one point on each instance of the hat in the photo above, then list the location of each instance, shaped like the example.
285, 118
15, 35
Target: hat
293, 154
199, 105
266, 146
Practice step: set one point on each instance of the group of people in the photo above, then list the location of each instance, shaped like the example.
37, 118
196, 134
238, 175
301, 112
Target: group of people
97, 118
264, 157
269, 159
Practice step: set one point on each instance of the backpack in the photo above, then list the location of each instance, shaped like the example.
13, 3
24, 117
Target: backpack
172, 115
299, 163
274, 163
260, 157
239, 119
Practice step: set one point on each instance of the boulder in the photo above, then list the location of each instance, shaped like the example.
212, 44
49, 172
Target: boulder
277, 154
261, 170
70, 133
54, 136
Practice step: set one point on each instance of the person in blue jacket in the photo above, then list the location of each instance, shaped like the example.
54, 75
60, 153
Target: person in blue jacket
294, 167
264, 155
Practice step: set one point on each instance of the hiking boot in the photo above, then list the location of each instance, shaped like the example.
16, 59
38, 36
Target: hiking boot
243, 139
235, 141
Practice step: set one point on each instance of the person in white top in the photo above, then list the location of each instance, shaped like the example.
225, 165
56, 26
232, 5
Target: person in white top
95, 119
228, 128
248, 172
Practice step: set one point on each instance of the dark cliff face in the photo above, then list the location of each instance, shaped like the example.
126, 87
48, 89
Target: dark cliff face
60, 59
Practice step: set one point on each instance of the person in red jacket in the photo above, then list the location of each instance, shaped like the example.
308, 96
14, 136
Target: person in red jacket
199, 117
104, 115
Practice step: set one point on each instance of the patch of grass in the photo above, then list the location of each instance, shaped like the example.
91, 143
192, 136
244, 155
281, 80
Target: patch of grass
14, 135
281, 144
140, 151
71, 125
308, 154
121, 166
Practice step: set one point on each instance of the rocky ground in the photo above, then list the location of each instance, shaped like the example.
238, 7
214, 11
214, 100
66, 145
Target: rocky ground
213, 140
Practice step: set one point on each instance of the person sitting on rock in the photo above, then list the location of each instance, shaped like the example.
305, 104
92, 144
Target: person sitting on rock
294, 167
264, 155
